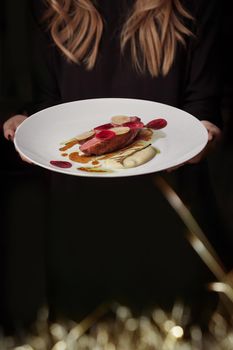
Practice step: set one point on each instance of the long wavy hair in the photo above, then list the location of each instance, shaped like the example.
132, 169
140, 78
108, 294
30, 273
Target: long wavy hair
152, 30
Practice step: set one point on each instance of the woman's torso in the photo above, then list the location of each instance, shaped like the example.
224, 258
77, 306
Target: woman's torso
113, 74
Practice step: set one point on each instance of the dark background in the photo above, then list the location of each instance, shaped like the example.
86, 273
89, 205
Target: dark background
24, 188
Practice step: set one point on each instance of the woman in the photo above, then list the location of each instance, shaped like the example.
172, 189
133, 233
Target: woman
160, 40
160, 50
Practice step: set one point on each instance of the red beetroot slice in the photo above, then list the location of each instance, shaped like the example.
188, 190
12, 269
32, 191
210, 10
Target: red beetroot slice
61, 164
134, 125
104, 127
135, 119
105, 135
157, 124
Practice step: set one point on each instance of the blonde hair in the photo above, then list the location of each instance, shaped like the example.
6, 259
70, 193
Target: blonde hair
151, 31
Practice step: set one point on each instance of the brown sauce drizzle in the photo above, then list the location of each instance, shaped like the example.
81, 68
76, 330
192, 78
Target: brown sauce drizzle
69, 145
94, 170
76, 157
145, 134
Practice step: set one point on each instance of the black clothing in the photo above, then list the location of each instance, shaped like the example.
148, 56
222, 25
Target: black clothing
132, 245
191, 84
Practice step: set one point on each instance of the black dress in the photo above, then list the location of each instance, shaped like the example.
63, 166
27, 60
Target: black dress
119, 238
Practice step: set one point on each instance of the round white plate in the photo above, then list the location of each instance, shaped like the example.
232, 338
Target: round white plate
38, 138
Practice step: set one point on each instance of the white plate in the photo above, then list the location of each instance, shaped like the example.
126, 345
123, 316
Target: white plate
38, 138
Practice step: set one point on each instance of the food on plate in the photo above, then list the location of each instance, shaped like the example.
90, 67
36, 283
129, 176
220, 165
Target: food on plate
157, 124
120, 119
140, 157
116, 159
60, 164
121, 132
113, 136
124, 142
81, 137
109, 142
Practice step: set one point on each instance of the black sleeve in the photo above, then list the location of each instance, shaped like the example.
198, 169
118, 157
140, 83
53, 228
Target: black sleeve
202, 83
45, 89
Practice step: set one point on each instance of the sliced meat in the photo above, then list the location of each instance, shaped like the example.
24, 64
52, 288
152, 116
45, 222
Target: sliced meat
99, 147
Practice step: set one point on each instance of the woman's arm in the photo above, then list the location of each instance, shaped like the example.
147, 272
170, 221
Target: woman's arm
202, 90
45, 91
202, 87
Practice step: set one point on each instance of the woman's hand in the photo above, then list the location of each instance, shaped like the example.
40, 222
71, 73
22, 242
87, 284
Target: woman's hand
10, 126
214, 137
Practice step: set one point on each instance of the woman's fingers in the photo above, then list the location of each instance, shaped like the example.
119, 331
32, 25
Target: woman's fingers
9, 134
24, 159
214, 133
199, 156
10, 126
214, 136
